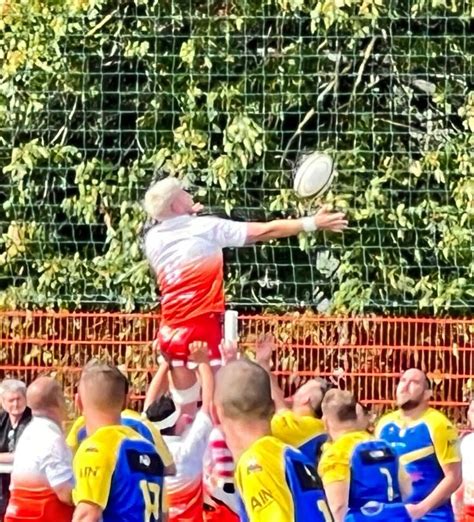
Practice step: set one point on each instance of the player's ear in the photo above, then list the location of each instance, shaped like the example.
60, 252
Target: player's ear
428, 394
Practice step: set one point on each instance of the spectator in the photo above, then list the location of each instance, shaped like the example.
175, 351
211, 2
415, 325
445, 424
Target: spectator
427, 444
275, 481
361, 476
118, 473
42, 476
13, 420
301, 426
187, 443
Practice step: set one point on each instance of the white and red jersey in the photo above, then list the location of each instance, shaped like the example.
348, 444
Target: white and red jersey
186, 254
219, 469
184, 490
42, 462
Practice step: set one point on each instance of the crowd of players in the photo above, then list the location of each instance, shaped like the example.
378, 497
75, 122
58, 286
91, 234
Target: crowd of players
223, 444
248, 453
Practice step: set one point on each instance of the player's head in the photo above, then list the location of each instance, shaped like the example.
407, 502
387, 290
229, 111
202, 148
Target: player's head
339, 412
470, 414
308, 398
45, 397
413, 390
102, 389
166, 199
167, 416
243, 395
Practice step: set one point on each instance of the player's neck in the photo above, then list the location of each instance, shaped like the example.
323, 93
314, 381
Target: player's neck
414, 413
241, 435
340, 431
96, 420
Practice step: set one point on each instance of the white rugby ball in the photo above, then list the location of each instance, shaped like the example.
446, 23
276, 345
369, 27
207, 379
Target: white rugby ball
314, 175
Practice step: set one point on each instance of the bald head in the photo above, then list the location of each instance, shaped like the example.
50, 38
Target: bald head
44, 394
308, 398
243, 392
103, 388
413, 390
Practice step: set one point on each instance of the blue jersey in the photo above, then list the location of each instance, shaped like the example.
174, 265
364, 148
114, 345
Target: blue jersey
371, 469
131, 419
423, 446
122, 473
279, 483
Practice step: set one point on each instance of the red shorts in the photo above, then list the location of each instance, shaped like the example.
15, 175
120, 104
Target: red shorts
220, 513
37, 506
174, 341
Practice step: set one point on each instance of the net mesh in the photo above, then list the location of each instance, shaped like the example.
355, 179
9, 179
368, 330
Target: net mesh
97, 97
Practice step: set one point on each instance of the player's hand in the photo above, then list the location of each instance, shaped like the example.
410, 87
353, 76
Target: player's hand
198, 352
229, 351
264, 348
415, 511
197, 207
332, 221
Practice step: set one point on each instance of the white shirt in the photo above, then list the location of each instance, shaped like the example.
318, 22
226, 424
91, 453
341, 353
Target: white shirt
188, 452
186, 254
42, 458
467, 455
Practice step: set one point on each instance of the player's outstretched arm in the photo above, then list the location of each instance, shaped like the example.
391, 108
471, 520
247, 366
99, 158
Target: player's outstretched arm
263, 349
324, 219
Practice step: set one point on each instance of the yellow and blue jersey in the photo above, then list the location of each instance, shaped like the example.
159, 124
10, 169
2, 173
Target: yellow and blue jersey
133, 420
305, 433
122, 473
424, 446
371, 469
279, 483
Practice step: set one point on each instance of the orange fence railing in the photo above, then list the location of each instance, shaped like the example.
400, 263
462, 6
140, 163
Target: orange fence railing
365, 355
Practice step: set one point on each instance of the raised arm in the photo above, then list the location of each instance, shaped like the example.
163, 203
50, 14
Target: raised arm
200, 355
324, 219
264, 348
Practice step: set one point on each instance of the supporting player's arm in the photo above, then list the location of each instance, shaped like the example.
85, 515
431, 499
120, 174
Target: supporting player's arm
337, 495
324, 219
200, 355
158, 385
264, 348
445, 441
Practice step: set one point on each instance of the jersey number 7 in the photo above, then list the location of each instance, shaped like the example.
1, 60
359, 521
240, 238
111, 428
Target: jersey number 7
151, 496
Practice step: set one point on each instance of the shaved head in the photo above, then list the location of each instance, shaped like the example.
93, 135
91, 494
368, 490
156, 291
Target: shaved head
340, 405
413, 389
243, 392
103, 388
310, 396
45, 393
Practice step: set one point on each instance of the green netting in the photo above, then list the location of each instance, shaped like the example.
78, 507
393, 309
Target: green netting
96, 97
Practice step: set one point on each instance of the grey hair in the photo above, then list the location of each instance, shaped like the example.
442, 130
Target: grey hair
159, 196
12, 386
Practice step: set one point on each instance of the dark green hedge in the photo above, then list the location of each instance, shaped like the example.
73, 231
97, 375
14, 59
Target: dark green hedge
97, 96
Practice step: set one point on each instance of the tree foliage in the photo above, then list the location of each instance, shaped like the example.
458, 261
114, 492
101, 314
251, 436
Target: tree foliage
97, 96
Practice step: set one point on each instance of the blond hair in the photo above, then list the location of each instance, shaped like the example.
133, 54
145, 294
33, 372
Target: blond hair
158, 198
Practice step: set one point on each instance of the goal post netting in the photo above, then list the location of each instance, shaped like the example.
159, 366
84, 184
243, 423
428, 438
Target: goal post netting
97, 97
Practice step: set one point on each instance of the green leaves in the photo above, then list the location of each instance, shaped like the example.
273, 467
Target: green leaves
97, 97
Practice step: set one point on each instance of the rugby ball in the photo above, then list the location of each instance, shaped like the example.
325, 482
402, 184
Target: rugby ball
314, 175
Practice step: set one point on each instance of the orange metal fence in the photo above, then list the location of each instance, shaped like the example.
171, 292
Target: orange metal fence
365, 355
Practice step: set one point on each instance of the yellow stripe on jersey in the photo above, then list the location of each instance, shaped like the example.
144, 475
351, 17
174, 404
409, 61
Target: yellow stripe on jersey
416, 455
334, 465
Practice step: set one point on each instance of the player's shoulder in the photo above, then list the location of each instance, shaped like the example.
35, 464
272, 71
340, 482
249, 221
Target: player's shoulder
391, 417
108, 439
436, 419
261, 456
